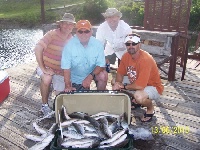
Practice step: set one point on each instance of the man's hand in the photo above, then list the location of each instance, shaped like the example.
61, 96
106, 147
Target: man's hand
87, 81
48, 71
117, 86
69, 89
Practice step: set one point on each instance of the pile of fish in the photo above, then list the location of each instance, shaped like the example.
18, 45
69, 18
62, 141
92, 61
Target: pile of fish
45, 137
102, 130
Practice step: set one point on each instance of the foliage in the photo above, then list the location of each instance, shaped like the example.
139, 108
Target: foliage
194, 24
133, 13
92, 10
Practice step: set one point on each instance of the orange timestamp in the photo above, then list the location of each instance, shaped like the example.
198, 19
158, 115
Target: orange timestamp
170, 129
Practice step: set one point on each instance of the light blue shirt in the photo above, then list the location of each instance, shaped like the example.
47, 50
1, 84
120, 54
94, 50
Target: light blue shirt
82, 60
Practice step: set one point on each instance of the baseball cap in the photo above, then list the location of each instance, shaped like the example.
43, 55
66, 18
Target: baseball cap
83, 24
132, 37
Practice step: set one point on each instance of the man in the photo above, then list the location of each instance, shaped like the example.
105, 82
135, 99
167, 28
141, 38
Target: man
48, 55
112, 33
139, 76
83, 60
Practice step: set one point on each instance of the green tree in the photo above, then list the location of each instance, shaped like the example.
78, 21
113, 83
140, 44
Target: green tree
194, 24
92, 10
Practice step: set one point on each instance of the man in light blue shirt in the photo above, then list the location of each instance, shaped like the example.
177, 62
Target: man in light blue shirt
83, 60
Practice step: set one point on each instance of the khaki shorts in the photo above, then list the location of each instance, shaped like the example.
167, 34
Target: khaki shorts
150, 90
57, 81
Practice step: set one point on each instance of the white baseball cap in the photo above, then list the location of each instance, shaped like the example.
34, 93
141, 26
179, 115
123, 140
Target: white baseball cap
132, 37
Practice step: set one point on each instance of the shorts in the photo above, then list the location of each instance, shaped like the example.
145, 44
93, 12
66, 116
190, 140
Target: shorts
111, 58
150, 90
57, 81
79, 87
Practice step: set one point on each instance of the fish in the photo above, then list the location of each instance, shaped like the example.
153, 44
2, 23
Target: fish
114, 137
39, 129
68, 122
94, 143
53, 128
34, 137
110, 118
79, 128
78, 115
73, 134
116, 142
42, 144
92, 121
106, 130
99, 114
73, 142
90, 134
64, 114
89, 127
82, 121
114, 126
120, 145
103, 120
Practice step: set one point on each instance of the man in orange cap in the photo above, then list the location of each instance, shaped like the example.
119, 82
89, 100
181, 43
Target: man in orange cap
48, 55
83, 60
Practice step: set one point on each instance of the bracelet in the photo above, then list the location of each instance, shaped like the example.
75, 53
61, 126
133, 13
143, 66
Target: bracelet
125, 84
93, 75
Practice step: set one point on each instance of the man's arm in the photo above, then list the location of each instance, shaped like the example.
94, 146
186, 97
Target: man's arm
67, 78
39, 56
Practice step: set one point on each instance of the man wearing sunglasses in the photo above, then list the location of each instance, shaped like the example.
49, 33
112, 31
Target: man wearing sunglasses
83, 60
48, 53
139, 76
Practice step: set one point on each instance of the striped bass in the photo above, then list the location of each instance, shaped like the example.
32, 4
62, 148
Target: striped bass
114, 137
73, 142
64, 114
34, 137
73, 134
116, 142
42, 144
39, 129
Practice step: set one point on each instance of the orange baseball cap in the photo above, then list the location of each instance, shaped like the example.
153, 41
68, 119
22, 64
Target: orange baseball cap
83, 24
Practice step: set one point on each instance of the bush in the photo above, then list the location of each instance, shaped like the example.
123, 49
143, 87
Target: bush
133, 13
92, 10
194, 24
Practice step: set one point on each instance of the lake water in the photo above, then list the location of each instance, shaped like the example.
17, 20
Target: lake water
16, 46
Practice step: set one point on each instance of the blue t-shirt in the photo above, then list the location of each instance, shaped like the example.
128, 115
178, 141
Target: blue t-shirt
82, 60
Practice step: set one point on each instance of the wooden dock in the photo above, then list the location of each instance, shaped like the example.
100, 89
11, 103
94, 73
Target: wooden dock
179, 106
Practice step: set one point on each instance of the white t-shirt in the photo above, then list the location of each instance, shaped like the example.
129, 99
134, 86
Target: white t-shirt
114, 40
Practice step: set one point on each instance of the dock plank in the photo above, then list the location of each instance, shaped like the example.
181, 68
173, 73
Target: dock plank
178, 106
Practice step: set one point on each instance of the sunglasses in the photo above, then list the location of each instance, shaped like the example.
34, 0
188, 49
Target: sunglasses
133, 44
86, 31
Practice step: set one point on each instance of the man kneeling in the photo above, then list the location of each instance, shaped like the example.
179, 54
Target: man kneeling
139, 76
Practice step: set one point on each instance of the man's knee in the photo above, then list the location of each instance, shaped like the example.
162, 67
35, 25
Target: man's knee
102, 76
140, 96
46, 79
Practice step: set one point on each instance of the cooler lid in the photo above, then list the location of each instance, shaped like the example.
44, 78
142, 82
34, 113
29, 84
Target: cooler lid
3, 76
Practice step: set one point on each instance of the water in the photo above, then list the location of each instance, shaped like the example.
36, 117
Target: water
16, 46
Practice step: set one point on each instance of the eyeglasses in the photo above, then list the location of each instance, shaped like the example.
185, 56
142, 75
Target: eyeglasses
133, 44
86, 31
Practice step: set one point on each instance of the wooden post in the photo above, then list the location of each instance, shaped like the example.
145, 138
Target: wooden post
42, 11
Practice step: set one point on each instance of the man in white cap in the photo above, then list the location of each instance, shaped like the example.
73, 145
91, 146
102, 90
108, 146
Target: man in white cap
112, 33
139, 76
48, 55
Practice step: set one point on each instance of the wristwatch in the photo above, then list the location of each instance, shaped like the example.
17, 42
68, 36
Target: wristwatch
93, 75
125, 84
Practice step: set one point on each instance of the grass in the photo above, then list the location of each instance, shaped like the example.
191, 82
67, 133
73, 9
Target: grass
29, 11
